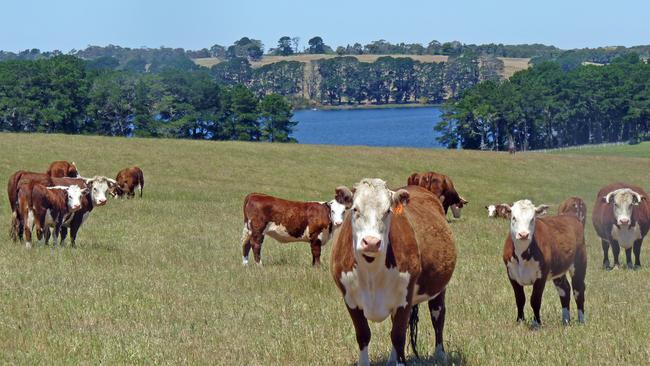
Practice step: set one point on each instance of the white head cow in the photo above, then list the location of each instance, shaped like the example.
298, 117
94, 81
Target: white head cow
372, 206
337, 211
73, 193
99, 185
522, 222
623, 200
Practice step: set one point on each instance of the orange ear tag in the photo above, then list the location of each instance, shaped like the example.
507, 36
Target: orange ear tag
398, 209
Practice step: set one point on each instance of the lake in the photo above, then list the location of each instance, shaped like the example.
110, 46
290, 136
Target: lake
405, 127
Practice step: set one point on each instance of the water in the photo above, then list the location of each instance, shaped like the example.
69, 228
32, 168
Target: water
406, 127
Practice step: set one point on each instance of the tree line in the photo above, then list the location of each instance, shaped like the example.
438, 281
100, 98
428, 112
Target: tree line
548, 107
66, 94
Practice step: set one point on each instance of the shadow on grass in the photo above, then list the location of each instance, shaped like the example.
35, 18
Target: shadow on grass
456, 358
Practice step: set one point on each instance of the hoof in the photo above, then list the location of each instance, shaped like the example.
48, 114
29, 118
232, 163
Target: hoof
535, 325
630, 265
637, 267
581, 317
566, 317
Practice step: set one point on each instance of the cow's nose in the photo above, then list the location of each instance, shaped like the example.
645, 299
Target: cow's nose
523, 235
337, 223
624, 221
76, 207
371, 244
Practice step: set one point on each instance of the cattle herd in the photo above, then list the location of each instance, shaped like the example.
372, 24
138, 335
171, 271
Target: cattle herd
60, 199
394, 249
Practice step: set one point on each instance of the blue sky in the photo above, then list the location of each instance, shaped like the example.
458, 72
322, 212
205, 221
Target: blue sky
194, 24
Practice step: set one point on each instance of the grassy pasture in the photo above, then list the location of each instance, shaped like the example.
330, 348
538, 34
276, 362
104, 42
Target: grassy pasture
640, 151
159, 280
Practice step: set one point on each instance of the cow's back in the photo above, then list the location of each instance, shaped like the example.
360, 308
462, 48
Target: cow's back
563, 236
295, 216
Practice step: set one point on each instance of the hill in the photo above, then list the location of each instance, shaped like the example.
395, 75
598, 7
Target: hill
159, 279
511, 65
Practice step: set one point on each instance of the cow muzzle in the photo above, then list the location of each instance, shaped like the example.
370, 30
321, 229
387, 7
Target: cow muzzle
624, 222
370, 245
101, 202
523, 235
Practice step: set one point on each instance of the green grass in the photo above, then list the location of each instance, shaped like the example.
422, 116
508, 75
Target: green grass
160, 281
641, 150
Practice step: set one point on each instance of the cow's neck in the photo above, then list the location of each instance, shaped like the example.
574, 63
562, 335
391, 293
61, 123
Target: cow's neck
522, 248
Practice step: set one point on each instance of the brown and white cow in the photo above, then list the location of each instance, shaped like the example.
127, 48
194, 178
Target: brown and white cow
127, 181
288, 221
574, 206
42, 207
443, 187
500, 210
15, 181
539, 249
60, 169
621, 218
394, 250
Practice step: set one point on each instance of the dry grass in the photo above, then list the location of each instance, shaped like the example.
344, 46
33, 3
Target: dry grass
160, 281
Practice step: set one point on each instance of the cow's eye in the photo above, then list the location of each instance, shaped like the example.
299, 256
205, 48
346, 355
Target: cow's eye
514, 219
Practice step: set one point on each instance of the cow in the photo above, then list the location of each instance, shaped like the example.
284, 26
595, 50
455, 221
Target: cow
288, 221
441, 186
574, 206
60, 169
499, 210
127, 181
538, 249
97, 187
42, 206
621, 217
393, 251
15, 181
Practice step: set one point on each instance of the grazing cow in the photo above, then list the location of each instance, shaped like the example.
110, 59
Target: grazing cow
43, 207
500, 210
621, 217
574, 206
541, 248
288, 221
442, 186
97, 187
394, 250
127, 181
15, 181
60, 169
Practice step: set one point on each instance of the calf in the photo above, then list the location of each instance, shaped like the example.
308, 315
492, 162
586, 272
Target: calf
288, 221
127, 181
42, 206
441, 186
394, 250
574, 206
542, 248
60, 169
15, 181
621, 217
500, 210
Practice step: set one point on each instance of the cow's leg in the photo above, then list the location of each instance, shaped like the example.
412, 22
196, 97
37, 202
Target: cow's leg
564, 291
64, 233
616, 249
637, 253
362, 331
28, 225
256, 241
315, 252
520, 298
55, 234
47, 236
606, 264
77, 220
398, 333
437, 309
536, 300
246, 243
578, 282
628, 258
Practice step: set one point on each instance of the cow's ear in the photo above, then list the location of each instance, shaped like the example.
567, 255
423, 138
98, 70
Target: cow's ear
463, 201
506, 209
344, 195
541, 210
401, 197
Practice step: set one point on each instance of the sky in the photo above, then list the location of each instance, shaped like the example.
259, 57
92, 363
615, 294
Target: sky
195, 24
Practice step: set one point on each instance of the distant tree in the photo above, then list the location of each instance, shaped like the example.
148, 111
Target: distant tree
246, 47
296, 44
241, 115
340, 50
284, 46
276, 124
316, 45
103, 63
218, 51
233, 71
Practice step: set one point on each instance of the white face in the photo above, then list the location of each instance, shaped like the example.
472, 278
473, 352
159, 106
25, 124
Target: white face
73, 195
337, 211
492, 210
455, 210
623, 201
98, 188
522, 220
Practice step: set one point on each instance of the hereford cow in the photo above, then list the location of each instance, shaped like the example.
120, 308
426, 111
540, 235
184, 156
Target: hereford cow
394, 250
97, 188
500, 210
15, 181
442, 186
288, 221
574, 206
127, 181
60, 169
42, 206
542, 248
621, 217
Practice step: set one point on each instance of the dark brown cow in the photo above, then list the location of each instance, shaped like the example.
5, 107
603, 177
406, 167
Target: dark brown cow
127, 181
288, 221
542, 248
621, 218
15, 181
60, 169
42, 206
574, 206
443, 187
394, 251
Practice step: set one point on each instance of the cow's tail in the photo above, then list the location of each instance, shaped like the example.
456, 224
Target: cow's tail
141, 178
413, 329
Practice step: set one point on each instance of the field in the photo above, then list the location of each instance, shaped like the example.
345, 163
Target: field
159, 280
511, 65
